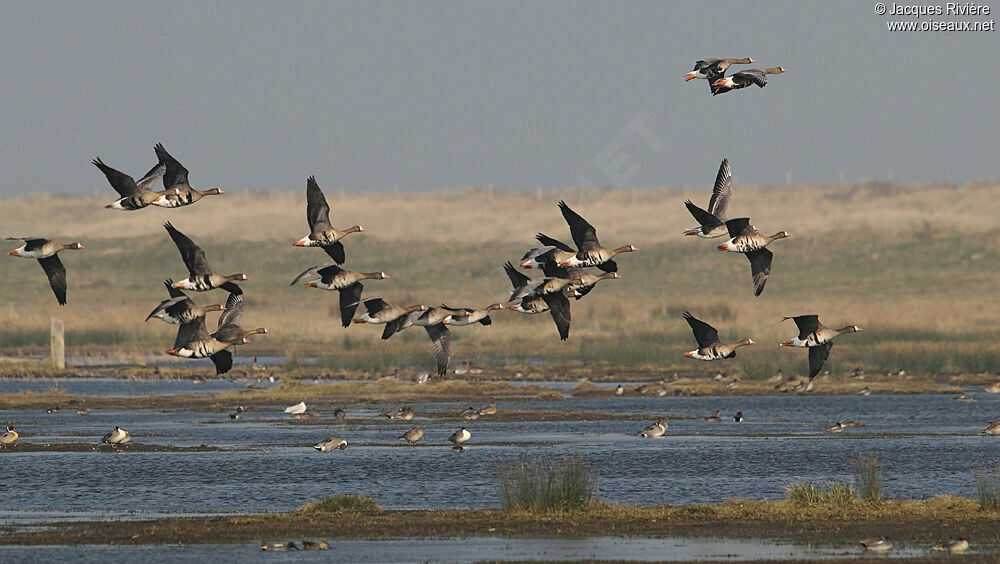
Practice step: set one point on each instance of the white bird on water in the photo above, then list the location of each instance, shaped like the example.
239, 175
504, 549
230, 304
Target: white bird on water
297, 408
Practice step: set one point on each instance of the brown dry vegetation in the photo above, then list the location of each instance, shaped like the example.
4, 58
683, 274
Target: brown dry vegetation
922, 522
903, 261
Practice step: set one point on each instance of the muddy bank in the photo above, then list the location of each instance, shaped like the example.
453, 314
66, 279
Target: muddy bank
25, 446
918, 522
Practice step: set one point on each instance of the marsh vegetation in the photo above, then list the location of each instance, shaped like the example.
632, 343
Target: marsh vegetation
911, 280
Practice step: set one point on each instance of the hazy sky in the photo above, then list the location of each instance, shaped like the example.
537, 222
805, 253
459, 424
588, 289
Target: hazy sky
520, 95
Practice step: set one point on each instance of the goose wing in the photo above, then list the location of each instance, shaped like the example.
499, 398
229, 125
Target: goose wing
553, 270
703, 64
191, 331
817, 356
705, 334
149, 179
517, 278
739, 226
527, 289
317, 210
401, 322
559, 309
722, 191
174, 292
374, 305
760, 267
191, 254
223, 361
745, 78
539, 254
326, 271
121, 182
234, 311
166, 304
441, 340
807, 324
584, 234
174, 173
56, 273
335, 251
349, 298
703, 217
550, 242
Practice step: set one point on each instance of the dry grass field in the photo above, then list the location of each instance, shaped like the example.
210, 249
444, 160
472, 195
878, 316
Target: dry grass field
914, 265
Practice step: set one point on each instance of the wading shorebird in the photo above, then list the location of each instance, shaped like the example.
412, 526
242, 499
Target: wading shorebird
117, 438
654, 430
331, 444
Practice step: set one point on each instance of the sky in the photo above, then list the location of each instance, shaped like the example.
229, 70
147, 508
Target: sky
417, 96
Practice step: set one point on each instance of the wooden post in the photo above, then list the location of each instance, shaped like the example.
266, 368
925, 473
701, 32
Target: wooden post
57, 342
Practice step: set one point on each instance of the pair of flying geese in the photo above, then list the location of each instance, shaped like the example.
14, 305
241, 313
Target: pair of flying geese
714, 70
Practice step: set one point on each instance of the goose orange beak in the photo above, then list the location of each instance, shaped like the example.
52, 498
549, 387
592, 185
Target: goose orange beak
690, 76
689, 354
172, 352
178, 285
299, 244
526, 264
359, 321
564, 263
311, 285
786, 343
719, 83
15, 253
723, 247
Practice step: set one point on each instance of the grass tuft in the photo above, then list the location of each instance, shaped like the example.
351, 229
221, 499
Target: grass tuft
342, 504
868, 477
833, 494
988, 487
544, 485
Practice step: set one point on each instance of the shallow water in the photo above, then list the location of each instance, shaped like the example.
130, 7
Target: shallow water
457, 550
928, 445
